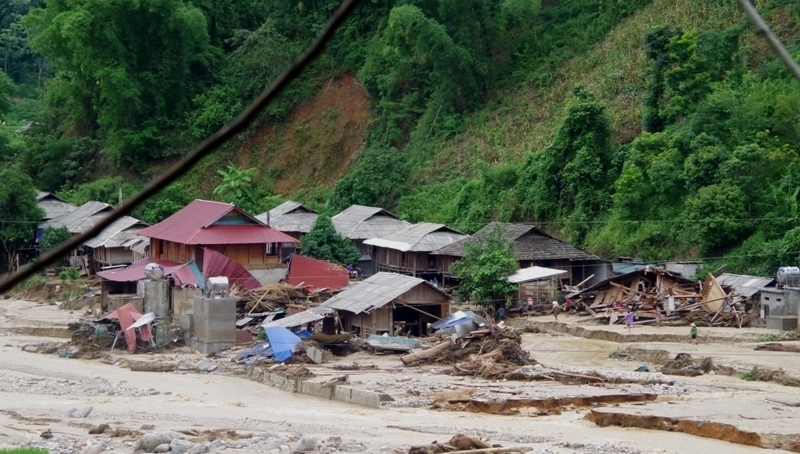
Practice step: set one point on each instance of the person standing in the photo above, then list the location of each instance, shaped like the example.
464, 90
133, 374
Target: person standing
629, 319
658, 315
529, 307
501, 313
693, 333
556, 309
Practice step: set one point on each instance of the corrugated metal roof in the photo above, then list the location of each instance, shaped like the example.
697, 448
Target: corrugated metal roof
109, 236
362, 222
53, 205
290, 217
80, 219
533, 273
184, 274
744, 285
376, 291
530, 243
311, 315
421, 237
201, 222
317, 274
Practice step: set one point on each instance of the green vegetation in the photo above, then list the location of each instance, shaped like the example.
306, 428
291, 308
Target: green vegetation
651, 128
484, 268
23, 451
19, 212
324, 242
773, 337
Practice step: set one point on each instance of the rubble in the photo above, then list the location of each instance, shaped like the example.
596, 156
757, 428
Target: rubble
655, 296
463, 444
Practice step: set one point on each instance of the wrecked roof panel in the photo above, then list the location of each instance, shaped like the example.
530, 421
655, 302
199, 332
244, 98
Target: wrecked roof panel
744, 285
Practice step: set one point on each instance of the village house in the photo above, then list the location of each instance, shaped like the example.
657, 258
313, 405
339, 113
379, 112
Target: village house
360, 223
408, 251
389, 303
108, 248
53, 205
291, 218
533, 247
313, 274
224, 228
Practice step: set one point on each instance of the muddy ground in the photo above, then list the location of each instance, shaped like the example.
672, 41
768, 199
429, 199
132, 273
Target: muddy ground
223, 411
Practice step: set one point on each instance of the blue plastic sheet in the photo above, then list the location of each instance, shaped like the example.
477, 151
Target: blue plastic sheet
282, 341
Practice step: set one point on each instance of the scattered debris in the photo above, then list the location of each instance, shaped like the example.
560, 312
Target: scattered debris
462, 444
773, 347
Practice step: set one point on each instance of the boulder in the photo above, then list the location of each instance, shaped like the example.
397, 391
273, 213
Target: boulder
306, 444
149, 442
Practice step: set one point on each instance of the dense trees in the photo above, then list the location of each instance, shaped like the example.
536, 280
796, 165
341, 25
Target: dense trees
19, 212
324, 242
484, 269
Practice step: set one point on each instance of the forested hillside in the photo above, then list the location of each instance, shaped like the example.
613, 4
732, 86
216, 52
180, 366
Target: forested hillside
651, 128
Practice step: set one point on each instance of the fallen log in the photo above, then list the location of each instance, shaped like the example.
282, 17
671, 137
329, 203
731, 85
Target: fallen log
580, 376
418, 357
494, 450
681, 372
773, 347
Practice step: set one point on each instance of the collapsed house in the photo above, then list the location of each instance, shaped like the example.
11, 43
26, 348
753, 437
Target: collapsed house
655, 295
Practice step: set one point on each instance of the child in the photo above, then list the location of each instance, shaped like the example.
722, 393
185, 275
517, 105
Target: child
693, 333
629, 319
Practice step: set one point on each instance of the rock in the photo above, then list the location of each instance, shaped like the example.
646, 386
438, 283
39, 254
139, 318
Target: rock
79, 412
149, 442
306, 444
99, 429
152, 366
31, 348
206, 366
352, 447
147, 427
198, 449
179, 446
216, 444
164, 447
92, 449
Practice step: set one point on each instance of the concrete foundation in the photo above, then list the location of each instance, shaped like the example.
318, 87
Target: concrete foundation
214, 324
782, 322
182, 300
117, 301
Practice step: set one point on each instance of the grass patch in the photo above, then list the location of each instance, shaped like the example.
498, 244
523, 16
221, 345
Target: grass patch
23, 451
751, 375
776, 337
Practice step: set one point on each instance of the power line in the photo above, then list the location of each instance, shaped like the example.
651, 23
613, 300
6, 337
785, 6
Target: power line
772, 40
207, 146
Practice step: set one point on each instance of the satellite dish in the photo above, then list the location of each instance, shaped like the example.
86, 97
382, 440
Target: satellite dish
154, 271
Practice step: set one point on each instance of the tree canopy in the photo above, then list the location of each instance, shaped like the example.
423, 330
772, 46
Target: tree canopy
19, 211
325, 243
483, 271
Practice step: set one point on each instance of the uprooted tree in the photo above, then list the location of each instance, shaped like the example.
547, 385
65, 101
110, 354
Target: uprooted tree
484, 269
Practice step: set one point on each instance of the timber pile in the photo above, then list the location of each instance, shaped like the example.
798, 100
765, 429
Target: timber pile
492, 353
270, 297
679, 300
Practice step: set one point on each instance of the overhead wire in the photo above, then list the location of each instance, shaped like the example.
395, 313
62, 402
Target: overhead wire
207, 146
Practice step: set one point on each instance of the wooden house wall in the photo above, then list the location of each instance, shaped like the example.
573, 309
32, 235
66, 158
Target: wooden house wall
113, 256
250, 256
543, 290
408, 262
382, 319
167, 250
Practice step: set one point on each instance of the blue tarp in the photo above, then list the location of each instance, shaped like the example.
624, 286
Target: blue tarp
282, 341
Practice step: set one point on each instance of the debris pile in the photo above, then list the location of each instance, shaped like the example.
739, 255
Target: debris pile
463, 444
684, 365
658, 296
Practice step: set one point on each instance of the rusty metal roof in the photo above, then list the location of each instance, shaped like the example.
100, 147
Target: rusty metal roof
206, 222
376, 291
421, 237
361, 222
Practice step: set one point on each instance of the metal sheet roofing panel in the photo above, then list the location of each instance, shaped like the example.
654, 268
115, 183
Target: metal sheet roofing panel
301, 318
376, 291
421, 237
204, 222
362, 222
54, 208
533, 273
317, 274
135, 272
80, 219
744, 285
123, 224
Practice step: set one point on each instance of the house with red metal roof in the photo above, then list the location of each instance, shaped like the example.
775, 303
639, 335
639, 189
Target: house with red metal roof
316, 274
221, 227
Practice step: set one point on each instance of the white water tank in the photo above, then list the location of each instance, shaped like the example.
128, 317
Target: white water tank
788, 275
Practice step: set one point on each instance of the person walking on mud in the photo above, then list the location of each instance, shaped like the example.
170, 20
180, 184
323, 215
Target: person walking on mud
556, 309
501, 313
693, 333
629, 319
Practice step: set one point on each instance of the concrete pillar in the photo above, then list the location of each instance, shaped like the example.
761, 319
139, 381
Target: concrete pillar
156, 296
214, 323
